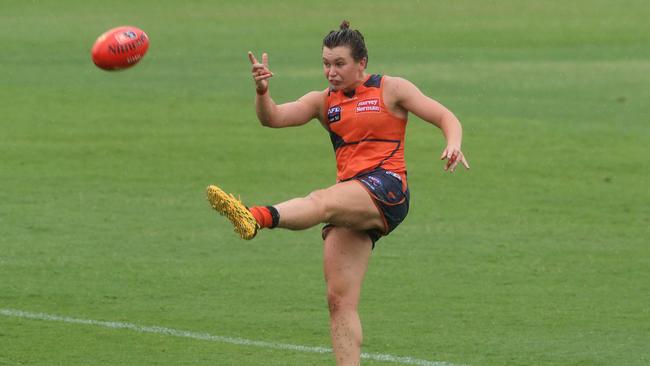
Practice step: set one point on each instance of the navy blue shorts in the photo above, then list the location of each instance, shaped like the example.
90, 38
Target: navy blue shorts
385, 189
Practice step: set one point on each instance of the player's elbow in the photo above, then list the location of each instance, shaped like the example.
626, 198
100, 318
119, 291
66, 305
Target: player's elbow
268, 122
266, 119
265, 123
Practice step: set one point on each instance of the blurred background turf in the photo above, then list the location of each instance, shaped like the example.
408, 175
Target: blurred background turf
537, 256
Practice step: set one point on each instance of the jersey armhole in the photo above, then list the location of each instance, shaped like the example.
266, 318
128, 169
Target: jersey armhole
383, 105
322, 116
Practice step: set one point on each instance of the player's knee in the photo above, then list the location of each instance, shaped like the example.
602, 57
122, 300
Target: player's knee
337, 302
319, 201
341, 296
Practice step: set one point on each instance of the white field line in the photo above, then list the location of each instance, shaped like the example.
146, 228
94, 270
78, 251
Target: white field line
405, 360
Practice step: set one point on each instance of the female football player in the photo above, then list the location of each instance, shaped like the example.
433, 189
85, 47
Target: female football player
365, 115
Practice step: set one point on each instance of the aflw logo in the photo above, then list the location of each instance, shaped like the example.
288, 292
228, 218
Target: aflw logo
368, 105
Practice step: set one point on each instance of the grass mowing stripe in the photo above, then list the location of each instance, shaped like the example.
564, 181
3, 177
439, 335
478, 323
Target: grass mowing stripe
214, 338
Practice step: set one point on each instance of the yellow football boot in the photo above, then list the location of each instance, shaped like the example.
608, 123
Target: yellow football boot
227, 205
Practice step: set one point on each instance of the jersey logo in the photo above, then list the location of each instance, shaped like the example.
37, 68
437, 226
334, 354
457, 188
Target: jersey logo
334, 114
373, 180
368, 105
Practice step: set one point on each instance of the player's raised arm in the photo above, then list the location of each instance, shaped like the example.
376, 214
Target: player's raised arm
289, 114
409, 97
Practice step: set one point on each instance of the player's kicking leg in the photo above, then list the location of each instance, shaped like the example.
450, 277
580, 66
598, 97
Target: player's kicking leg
345, 204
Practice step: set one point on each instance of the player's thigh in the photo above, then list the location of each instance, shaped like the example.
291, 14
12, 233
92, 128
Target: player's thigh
346, 253
350, 205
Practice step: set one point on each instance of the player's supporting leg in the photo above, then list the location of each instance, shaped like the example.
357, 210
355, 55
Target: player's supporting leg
345, 204
345, 260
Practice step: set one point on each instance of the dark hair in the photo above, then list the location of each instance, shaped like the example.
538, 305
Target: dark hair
348, 37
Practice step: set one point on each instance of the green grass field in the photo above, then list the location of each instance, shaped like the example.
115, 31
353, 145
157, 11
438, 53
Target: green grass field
540, 255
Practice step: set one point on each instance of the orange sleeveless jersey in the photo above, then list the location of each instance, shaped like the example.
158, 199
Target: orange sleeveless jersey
364, 134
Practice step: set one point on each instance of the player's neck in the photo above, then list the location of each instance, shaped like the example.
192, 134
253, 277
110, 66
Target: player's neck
356, 84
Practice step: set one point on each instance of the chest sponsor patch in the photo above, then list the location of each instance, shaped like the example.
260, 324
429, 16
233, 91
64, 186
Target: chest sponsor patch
334, 114
368, 105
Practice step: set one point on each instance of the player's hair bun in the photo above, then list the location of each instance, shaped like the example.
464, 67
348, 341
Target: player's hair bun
345, 25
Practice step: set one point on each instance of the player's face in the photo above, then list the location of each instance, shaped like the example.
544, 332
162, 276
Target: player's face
340, 69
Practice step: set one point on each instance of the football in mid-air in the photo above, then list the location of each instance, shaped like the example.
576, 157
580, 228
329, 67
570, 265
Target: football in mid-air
120, 48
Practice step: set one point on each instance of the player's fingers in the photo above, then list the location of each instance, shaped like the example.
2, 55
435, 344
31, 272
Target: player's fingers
263, 77
261, 72
444, 154
453, 160
258, 66
453, 166
252, 58
465, 163
448, 164
454, 156
450, 154
265, 59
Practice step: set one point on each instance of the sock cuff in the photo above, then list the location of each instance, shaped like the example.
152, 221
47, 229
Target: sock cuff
275, 216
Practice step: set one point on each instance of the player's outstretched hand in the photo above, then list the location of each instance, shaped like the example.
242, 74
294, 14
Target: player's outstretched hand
261, 72
453, 155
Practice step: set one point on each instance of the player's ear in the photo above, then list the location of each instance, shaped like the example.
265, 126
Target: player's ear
363, 63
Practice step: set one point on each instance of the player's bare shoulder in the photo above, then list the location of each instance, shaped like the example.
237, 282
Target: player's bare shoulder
397, 87
395, 91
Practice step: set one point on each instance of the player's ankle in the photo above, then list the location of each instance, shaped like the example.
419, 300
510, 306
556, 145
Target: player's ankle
266, 216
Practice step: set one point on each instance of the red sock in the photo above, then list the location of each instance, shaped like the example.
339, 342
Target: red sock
262, 215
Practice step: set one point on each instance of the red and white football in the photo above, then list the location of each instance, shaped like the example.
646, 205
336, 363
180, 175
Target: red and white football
120, 48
